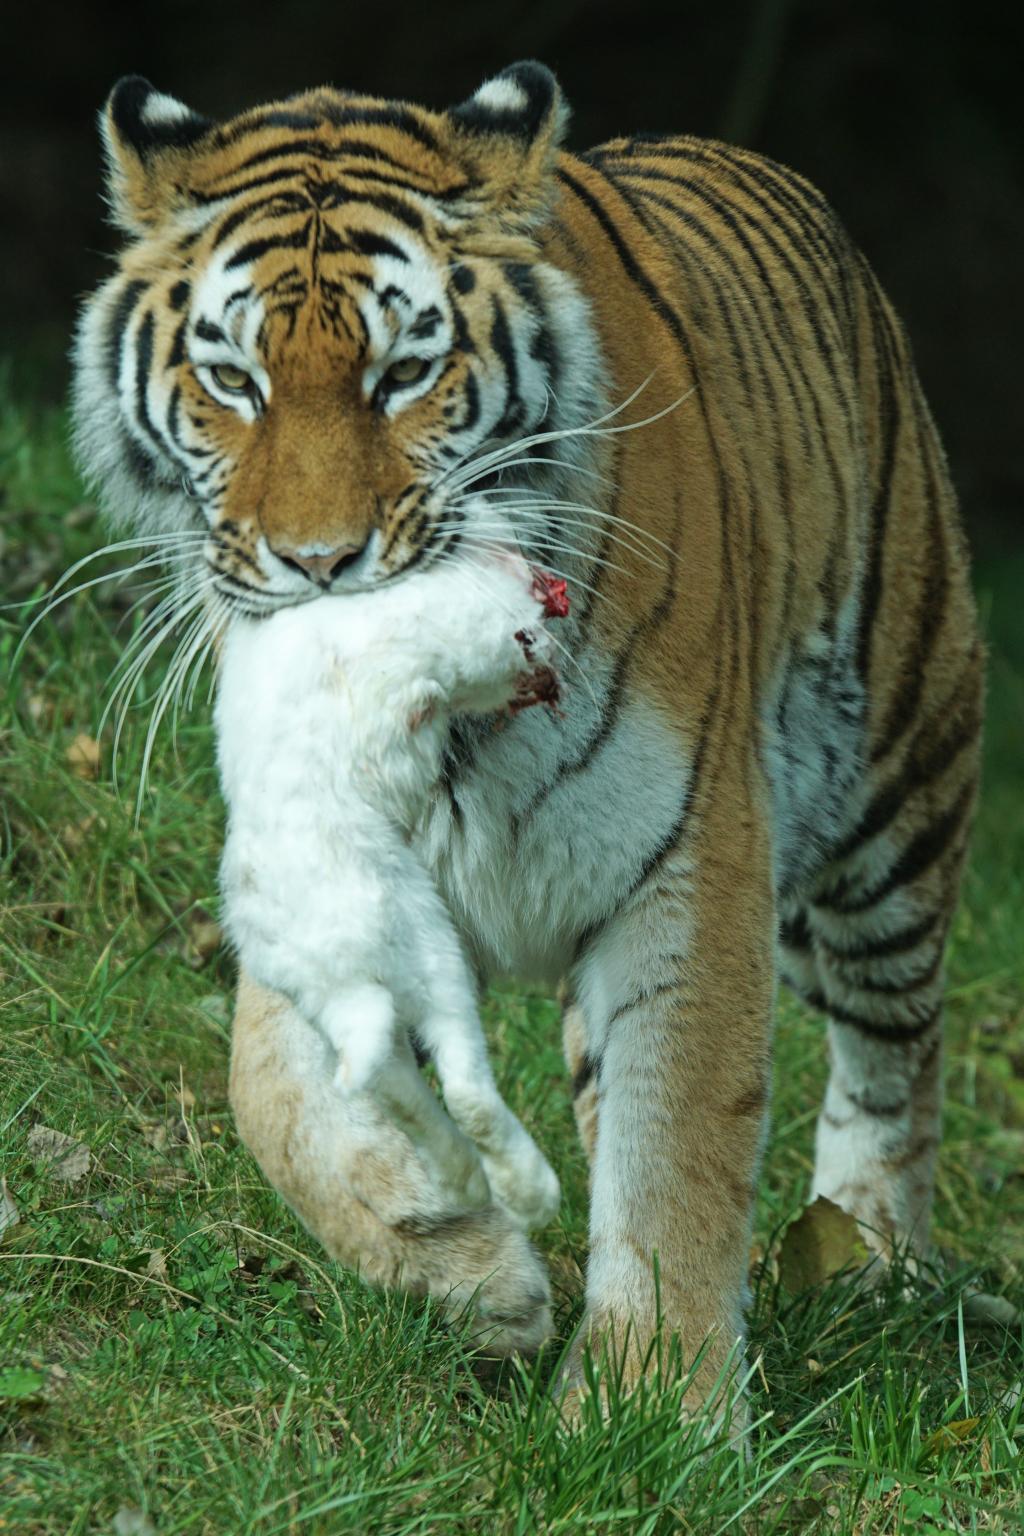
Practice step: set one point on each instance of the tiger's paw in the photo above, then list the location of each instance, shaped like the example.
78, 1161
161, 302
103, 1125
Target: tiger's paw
608, 1361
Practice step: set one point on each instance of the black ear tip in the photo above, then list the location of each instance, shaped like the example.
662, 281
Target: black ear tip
146, 119
532, 75
128, 96
517, 101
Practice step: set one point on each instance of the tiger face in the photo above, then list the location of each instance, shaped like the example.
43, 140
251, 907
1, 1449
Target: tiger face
333, 336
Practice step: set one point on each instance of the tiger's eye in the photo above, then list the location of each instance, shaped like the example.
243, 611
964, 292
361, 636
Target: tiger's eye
408, 370
234, 380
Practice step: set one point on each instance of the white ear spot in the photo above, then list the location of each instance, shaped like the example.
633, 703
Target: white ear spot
159, 110
501, 95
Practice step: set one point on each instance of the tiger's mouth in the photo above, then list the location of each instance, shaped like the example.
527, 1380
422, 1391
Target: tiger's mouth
253, 586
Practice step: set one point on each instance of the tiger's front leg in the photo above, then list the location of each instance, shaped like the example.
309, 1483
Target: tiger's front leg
669, 1041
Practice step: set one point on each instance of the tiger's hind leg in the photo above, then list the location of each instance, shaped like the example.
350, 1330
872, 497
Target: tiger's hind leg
873, 934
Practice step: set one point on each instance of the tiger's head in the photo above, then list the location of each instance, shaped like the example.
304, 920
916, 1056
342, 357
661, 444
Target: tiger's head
331, 332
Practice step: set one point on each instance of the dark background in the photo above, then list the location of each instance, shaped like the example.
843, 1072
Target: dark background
908, 115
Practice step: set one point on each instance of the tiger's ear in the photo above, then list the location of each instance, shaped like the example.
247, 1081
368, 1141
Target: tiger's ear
507, 136
146, 137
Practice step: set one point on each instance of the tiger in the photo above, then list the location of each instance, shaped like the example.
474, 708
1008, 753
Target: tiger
346, 337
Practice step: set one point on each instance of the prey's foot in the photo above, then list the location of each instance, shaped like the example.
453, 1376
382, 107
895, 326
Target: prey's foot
524, 1183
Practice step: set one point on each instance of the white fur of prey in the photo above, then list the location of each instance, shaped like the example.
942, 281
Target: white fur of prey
331, 721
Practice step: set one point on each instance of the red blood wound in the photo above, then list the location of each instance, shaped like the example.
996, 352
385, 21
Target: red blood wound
550, 590
541, 687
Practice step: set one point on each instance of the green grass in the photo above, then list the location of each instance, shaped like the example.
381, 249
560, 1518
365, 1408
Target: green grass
172, 1341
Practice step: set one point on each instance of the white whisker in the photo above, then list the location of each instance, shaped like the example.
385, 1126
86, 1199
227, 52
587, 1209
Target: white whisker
533, 514
179, 662
470, 537
572, 506
504, 457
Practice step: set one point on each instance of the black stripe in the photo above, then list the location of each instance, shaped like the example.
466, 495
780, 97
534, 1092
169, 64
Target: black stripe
670, 841
143, 365
283, 205
239, 188
472, 411
630, 265
395, 206
933, 592
725, 305
421, 187
303, 150
635, 272
259, 119
919, 855
794, 932
894, 1031
117, 326
585, 1074
504, 348
176, 356
400, 118
136, 461
929, 757
207, 331
543, 349
648, 995
900, 942
425, 324
447, 782
888, 420
260, 208
367, 243
897, 987
254, 249
661, 229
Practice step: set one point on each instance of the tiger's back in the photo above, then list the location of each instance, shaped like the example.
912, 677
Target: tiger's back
773, 729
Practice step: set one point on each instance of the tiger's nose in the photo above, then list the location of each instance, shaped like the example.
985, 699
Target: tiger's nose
320, 567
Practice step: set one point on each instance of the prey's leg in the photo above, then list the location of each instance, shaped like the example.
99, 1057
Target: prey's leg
519, 1174
375, 1057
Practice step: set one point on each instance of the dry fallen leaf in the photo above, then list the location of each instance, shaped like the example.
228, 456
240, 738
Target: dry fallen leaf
168, 1176
156, 1264
68, 1159
9, 1213
83, 756
157, 1134
948, 1435
822, 1242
